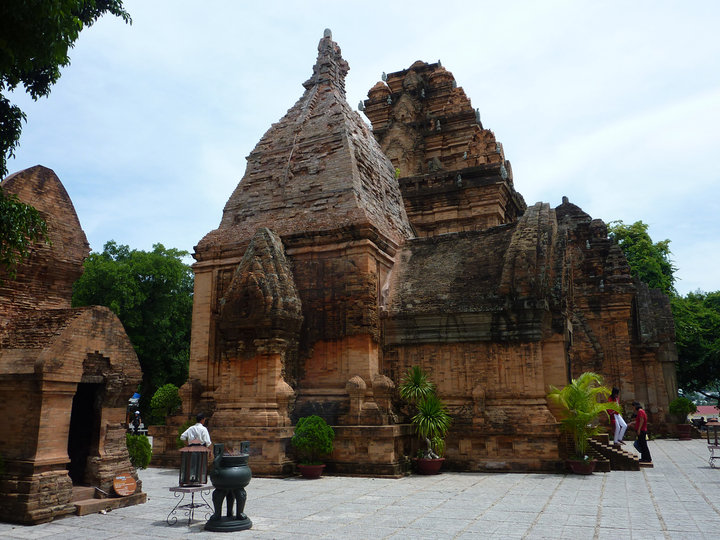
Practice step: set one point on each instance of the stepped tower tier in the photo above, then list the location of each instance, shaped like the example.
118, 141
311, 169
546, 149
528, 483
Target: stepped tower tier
452, 172
316, 171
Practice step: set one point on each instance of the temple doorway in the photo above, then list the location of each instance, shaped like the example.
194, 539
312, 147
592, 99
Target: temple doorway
84, 430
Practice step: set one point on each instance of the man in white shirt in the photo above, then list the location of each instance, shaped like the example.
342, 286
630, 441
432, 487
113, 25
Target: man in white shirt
198, 432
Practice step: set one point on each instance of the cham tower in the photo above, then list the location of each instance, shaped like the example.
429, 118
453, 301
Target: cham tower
346, 256
286, 317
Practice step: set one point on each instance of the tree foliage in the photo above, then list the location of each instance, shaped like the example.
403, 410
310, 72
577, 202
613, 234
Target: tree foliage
697, 315
164, 402
35, 37
697, 335
649, 261
151, 293
21, 225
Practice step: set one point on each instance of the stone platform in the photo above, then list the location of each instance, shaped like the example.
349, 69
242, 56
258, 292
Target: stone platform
678, 498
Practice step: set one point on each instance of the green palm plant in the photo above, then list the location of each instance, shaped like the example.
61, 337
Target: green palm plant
416, 386
581, 408
431, 421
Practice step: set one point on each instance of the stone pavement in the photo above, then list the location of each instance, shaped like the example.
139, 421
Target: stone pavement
678, 498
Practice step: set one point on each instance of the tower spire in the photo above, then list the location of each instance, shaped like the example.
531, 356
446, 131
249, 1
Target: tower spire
330, 67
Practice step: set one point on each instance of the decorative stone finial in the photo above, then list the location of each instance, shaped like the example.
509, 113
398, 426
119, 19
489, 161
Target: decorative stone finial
330, 67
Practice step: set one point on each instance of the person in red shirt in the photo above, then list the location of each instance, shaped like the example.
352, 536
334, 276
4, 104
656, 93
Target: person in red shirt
617, 422
640, 424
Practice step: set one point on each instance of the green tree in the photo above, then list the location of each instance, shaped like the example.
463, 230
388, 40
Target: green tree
21, 225
165, 401
35, 37
696, 315
649, 261
697, 335
151, 293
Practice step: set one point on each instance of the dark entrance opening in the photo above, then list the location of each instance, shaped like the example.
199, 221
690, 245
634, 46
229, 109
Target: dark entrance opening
84, 427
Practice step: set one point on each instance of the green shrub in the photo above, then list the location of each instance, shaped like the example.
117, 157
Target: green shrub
313, 438
682, 406
179, 443
164, 402
139, 450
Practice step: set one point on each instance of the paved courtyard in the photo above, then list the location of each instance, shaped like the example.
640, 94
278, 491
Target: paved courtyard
678, 498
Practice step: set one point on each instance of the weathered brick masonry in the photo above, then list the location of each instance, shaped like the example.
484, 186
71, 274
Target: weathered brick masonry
345, 256
65, 374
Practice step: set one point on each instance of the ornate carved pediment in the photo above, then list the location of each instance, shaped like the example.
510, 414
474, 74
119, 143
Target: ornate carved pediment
262, 300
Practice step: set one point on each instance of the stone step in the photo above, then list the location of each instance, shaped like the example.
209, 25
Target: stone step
92, 506
619, 458
602, 464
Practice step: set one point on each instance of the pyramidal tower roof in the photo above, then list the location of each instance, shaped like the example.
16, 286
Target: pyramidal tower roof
318, 169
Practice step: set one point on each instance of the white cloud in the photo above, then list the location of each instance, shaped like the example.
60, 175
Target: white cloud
613, 104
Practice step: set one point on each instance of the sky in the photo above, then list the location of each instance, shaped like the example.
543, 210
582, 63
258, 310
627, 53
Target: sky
614, 104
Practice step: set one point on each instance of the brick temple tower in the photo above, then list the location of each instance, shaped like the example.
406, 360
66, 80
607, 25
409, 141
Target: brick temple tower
287, 289
346, 256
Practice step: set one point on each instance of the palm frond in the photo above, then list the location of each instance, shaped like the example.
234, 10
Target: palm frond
579, 403
415, 385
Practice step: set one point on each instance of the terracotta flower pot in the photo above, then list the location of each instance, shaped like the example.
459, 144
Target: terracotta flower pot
578, 466
684, 432
311, 472
429, 466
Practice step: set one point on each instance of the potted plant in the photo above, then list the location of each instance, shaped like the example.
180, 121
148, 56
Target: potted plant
580, 409
680, 408
431, 420
313, 439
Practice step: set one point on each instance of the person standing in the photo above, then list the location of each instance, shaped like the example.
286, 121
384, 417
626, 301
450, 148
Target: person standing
136, 421
641, 425
616, 420
197, 432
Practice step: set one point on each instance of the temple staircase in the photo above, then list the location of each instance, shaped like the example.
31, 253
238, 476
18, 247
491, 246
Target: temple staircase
619, 458
91, 500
